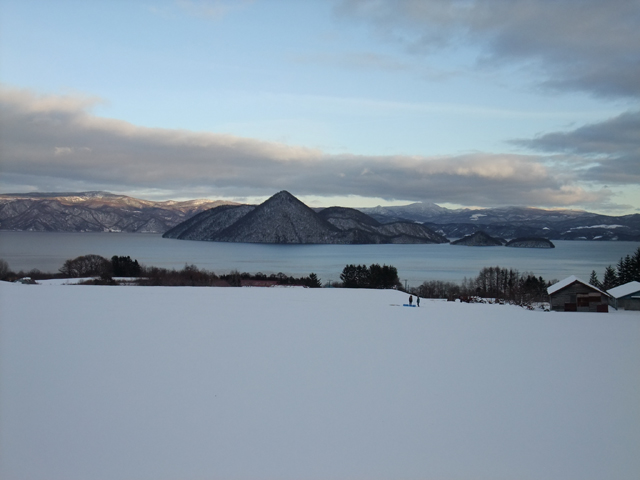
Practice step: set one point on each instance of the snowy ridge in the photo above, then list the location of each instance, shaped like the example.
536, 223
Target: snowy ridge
93, 212
516, 222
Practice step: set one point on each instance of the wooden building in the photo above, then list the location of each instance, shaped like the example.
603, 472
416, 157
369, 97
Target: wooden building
575, 295
625, 297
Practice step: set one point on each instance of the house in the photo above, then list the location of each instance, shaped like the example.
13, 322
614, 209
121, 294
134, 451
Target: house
575, 295
625, 297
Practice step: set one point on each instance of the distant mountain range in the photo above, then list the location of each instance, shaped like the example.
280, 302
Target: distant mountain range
285, 219
94, 212
515, 222
103, 211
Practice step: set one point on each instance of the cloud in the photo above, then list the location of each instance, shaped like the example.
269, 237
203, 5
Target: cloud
609, 151
586, 45
49, 139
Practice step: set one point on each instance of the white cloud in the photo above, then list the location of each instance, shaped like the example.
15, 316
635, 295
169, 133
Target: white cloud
56, 137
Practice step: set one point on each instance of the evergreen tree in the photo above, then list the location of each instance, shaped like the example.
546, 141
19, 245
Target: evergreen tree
593, 280
125, 267
314, 281
635, 266
628, 268
348, 277
610, 278
623, 269
390, 277
359, 276
362, 276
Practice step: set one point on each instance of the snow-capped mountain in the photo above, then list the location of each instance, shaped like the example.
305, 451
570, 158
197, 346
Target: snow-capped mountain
515, 222
94, 212
285, 219
103, 211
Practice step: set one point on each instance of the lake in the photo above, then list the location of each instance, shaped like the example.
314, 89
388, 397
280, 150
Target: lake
415, 263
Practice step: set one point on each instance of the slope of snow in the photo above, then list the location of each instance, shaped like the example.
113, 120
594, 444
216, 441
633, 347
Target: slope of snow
136, 383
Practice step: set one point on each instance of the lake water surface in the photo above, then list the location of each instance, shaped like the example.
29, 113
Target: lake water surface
415, 263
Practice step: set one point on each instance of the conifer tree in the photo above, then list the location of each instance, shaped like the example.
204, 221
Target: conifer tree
314, 281
610, 278
635, 266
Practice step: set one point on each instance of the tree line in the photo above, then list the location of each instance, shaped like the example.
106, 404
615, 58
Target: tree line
102, 272
491, 282
96, 265
502, 284
627, 270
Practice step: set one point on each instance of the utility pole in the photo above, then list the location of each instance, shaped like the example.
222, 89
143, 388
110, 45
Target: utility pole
405, 284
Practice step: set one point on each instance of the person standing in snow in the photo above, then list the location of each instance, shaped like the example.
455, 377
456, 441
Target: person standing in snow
417, 300
410, 300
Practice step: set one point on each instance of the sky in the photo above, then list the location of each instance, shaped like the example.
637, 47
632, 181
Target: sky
341, 102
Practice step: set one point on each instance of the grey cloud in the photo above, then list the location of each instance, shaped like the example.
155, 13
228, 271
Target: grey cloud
589, 45
45, 138
609, 150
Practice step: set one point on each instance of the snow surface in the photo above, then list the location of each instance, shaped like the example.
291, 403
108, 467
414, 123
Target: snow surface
568, 281
76, 281
599, 226
152, 383
624, 290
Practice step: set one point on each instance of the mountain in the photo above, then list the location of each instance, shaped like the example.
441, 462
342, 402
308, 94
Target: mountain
417, 222
515, 222
285, 219
281, 219
94, 212
206, 225
350, 219
478, 239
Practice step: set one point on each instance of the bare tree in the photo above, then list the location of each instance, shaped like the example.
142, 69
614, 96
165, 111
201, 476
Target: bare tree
86, 266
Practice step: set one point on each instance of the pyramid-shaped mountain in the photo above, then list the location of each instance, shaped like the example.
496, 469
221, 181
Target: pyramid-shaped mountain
285, 219
281, 219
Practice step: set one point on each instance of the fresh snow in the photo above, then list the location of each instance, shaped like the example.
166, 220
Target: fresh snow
624, 290
600, 226
568, 281
146, 383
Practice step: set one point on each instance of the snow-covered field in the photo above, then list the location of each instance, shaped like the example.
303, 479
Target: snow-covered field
138, 383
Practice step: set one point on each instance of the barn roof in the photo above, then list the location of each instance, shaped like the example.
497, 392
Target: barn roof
568, 281
624, 290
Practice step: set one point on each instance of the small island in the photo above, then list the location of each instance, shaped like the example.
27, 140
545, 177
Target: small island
530, 242
478, 239
482, 239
